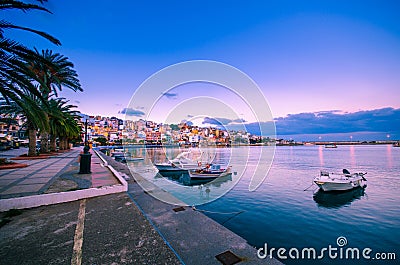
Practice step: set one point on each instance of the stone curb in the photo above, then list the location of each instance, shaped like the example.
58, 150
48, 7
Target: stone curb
61, 197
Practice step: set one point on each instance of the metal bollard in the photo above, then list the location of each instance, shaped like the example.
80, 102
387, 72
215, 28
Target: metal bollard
85, 162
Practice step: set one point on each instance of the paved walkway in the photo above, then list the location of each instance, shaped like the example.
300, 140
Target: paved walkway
41, 173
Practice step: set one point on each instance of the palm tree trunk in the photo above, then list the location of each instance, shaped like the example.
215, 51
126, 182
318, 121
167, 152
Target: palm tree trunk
53, 143
44, 142
62, 146
32, 140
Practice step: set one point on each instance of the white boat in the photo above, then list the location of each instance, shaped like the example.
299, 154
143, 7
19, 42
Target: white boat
181, 163
340, 181
211, 171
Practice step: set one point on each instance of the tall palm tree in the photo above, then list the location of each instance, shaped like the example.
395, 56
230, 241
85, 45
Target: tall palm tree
13, 74
28, 78
55, 71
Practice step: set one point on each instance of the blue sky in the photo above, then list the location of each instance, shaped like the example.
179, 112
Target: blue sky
306, 56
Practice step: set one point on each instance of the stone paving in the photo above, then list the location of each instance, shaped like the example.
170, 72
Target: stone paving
41, 173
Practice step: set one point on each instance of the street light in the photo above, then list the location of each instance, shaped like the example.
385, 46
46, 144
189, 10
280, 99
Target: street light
86, 136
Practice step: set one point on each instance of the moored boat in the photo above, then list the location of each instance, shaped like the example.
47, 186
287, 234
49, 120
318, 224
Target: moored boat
340, 181
211, 171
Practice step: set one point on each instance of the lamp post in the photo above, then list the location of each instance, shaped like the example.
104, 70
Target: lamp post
85, 159
86, 136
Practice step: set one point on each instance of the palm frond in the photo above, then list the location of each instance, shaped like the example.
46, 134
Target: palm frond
7, 25
12, 4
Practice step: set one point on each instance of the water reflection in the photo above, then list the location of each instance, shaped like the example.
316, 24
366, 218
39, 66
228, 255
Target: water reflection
338, 199
389, 156
352, 156
321, 156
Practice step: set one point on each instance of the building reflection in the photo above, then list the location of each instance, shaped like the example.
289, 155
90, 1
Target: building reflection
352, 156
321, 155
389, 156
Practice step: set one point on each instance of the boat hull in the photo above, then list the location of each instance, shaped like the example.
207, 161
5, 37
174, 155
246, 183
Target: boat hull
334, 186
208, 175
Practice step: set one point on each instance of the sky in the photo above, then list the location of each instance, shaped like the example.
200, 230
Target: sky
307, 57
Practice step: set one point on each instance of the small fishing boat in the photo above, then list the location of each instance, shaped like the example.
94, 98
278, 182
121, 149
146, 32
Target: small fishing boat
396, 144
181, 163
340, 181
211, 171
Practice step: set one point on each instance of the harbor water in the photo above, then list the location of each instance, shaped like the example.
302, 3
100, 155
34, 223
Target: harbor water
282, 214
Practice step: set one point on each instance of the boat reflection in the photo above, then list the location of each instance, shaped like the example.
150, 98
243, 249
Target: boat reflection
338, 199
184, 178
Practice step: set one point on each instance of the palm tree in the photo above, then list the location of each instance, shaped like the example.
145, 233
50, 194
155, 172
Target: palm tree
27, 74
13, 75
71, 131
54, 71
63, 122
29, 109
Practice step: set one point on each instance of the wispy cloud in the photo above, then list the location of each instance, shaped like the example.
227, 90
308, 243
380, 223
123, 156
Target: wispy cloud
77, 102
170, 95
131, 112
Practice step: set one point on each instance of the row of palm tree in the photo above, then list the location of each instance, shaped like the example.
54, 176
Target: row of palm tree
30, 81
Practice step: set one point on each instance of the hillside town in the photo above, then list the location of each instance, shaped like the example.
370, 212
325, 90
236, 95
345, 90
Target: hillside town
115, 131
100, 130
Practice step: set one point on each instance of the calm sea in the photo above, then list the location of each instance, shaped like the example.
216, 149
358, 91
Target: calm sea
283, 215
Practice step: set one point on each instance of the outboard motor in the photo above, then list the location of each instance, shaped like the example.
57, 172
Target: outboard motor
346, 172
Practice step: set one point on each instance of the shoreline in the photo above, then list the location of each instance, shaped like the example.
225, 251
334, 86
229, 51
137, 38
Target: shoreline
304, 143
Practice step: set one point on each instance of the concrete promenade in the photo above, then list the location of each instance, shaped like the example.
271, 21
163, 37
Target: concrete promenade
123, 228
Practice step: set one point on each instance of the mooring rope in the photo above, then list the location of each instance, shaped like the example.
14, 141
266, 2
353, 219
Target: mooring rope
309, 186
